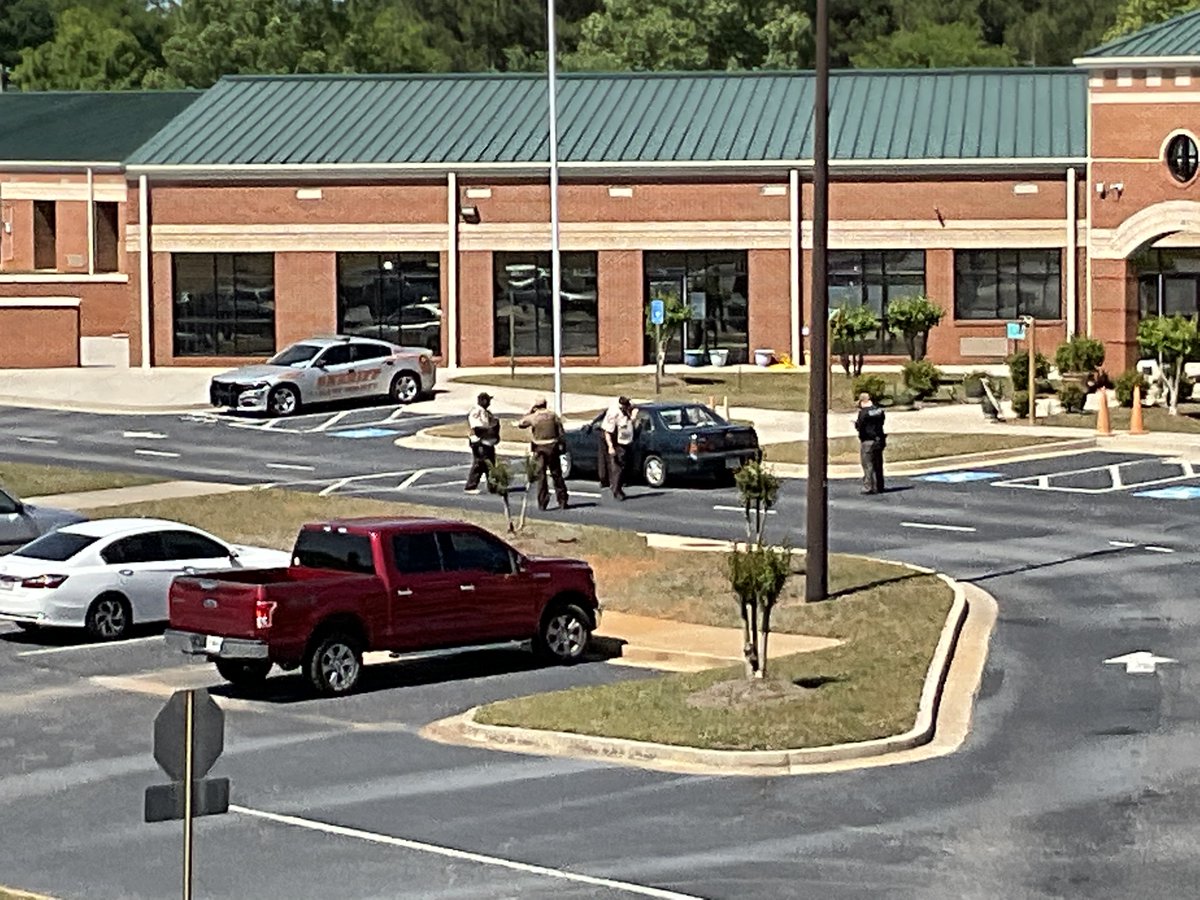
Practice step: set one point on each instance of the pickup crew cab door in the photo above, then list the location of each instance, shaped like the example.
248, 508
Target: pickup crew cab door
17, 528
495, 602
421, 591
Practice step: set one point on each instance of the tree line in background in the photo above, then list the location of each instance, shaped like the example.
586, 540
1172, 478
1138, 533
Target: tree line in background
125, 44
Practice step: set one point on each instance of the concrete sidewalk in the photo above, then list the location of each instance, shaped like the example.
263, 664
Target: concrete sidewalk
142, 493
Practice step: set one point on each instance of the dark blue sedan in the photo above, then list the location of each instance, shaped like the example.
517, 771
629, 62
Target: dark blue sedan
672, 440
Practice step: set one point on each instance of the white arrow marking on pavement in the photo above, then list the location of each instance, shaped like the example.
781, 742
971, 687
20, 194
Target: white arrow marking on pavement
146, 435
1142, 662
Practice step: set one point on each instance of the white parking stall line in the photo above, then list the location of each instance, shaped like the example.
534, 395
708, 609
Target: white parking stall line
37, 440
409, 481
330, 422
1123, 544
439, 484
739, 509
1151, 549
290, 467
933, 526
462, 855
164, 454
42, 651
1117, 482
144, 435
340, 483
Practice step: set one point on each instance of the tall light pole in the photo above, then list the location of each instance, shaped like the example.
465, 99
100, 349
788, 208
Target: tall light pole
817, 526
555, 254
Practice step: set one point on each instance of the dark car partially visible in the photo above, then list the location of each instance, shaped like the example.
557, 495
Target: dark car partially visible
22, 522
672, 441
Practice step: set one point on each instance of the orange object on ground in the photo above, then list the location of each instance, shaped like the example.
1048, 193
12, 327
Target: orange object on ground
1103, 425
1135, 417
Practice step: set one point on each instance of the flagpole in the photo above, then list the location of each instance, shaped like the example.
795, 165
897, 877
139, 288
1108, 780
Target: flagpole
555, 253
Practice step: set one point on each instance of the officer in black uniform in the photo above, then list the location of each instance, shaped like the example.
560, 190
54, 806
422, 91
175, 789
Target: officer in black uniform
872, 442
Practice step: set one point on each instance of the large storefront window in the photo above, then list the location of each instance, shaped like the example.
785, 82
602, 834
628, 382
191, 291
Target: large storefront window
395, 297
1007, 284
523, 318
715, 285
224, 304
1168, 282
872, 278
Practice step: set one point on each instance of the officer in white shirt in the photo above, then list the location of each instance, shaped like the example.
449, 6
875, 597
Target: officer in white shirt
483, 436
616, 436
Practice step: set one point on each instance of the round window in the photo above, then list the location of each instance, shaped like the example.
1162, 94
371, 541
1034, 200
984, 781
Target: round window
1182, 158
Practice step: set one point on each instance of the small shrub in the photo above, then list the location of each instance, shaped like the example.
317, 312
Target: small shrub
1079, 354
921, 377
1072, 397
875, 385
1124, 387
1018, 369
905, 397
1020, 404
973, 385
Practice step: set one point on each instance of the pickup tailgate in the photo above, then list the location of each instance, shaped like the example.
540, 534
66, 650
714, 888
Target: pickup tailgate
226, 604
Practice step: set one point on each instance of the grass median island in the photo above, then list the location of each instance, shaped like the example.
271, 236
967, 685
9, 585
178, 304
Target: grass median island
30, 480
888, 617
755, 387
910, 446
1156, 418
508, 427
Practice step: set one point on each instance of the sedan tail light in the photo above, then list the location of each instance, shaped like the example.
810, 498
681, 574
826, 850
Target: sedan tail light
44, 581
264, 613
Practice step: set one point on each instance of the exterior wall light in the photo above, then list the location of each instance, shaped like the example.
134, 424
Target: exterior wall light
469, 214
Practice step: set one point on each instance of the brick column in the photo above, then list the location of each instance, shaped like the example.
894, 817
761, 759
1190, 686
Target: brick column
475, 308
619, 285
939, 287
1115, 312
769, 275
305, 296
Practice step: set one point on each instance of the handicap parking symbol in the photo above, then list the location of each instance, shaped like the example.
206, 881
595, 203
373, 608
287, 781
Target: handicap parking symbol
958, 477
360, 433
1179, 492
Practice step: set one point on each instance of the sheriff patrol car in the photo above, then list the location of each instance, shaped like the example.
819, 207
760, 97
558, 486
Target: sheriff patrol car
321, 370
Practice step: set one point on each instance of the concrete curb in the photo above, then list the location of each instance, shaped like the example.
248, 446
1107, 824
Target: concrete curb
423, 441
463, 729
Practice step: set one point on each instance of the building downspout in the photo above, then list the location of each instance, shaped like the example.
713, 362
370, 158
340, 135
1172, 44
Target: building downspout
91, 221
452, 270
1072, 252
1088, 206
794, 260
144, 265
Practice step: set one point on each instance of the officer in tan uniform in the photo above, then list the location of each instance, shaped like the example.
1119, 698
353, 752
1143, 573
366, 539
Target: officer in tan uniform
546, 435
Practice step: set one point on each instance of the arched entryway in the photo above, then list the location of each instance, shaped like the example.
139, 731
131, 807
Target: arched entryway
1148, 265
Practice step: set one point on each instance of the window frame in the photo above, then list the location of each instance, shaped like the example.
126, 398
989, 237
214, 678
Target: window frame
1188, 161
209, 326
166, 536
542, 332
872, 263
382, 299
1008, 258
449, 552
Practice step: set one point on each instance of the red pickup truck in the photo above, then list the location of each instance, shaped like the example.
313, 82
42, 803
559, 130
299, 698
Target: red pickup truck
402, 585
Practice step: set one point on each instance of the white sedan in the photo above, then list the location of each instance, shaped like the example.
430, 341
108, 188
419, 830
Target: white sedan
108, 574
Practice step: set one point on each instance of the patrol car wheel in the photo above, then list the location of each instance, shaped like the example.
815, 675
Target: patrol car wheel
406, 387
284, 401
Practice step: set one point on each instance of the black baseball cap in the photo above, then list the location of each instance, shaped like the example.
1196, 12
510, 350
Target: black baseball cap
483, 397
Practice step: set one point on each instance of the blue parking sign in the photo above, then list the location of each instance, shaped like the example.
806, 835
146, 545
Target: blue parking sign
658, 312
1016, 331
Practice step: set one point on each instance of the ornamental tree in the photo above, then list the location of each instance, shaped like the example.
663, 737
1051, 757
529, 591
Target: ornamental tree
1174, 341
852, 327
912, 318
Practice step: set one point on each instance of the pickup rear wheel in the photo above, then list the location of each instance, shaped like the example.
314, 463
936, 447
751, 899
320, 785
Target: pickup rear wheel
244, 673
564, 634
333, 663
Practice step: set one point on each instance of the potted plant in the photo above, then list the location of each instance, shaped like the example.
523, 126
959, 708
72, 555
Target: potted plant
694, 358
764, 357
719, 356
1078, 359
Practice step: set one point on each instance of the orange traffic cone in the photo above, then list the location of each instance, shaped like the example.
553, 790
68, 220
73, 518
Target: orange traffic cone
1103, 425
1135, 416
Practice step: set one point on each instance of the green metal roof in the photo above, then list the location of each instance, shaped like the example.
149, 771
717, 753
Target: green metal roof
442, 121
71, 127
1178, 37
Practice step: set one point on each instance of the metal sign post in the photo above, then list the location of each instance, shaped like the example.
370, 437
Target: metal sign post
658, 315
555, 254
189, 737
1031, 333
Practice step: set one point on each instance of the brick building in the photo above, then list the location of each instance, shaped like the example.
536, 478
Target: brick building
227, 223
